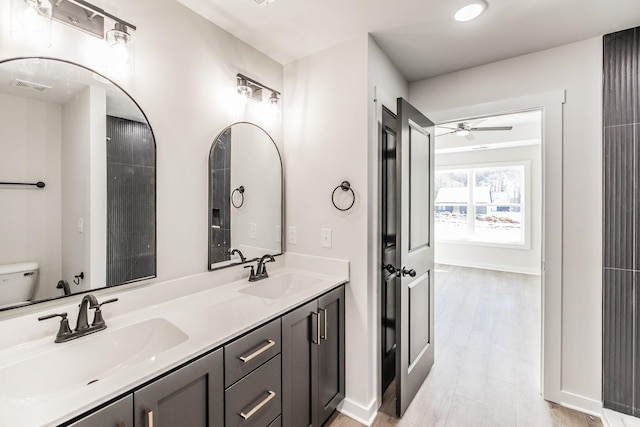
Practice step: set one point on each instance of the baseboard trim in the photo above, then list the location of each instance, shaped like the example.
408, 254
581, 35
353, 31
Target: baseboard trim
362, 414
484, 266
580, 403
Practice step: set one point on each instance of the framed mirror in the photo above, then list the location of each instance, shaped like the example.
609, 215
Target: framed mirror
91, 221
245, 196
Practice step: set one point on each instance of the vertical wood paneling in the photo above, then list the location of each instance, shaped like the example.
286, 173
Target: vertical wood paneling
621, 217
131, 201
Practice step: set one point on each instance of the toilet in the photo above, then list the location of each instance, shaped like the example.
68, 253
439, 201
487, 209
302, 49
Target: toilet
17, 283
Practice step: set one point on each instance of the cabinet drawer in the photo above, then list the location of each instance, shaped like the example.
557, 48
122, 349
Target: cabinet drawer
256, 399
249, 352
277, 422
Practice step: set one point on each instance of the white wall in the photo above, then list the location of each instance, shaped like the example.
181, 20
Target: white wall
576, 68
184, 81
325, 144
331, 135
30, 136
84, 189
516, 259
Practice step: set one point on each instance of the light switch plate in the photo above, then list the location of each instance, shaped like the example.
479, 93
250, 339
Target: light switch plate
278, 234
292, 235
325, 237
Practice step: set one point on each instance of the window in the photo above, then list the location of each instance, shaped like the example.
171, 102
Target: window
481, 204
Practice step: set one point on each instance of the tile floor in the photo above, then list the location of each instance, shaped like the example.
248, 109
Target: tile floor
487, 367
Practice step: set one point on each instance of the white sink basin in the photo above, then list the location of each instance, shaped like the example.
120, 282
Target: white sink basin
86, 360
282, 286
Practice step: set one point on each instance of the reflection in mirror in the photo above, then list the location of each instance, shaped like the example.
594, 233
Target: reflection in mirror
245, 196
93, 223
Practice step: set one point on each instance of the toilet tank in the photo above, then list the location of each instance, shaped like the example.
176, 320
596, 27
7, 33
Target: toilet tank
17, 282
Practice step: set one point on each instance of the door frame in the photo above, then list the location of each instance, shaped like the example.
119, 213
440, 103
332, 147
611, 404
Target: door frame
551, 106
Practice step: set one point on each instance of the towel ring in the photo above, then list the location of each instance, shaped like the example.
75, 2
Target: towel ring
345, 186
240, 190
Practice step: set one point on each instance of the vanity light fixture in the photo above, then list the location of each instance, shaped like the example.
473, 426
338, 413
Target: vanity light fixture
32, 16
252, 89
31, 21
470, 11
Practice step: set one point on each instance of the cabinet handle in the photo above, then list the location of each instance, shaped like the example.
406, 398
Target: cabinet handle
256, 408
324, 317
270, 343
149, 418
315, 338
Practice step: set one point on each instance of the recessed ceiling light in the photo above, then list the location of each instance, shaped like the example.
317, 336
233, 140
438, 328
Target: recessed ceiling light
470, 11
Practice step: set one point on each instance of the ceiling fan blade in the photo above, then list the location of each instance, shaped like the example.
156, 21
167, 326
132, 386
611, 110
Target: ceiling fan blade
447, 133
491, 128
445, 127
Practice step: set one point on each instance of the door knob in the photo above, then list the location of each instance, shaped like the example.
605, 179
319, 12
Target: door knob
411, 272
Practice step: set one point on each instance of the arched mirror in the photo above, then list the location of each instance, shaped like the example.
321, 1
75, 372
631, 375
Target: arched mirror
89, 222
245, 196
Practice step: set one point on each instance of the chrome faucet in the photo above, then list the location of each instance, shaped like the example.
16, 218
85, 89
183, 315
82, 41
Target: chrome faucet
82, 325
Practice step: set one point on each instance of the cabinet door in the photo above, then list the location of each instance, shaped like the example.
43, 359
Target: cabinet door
191, 396
299, 361
117, 414
330, 354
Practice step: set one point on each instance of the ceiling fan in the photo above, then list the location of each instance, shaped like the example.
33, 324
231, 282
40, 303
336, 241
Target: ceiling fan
465, 129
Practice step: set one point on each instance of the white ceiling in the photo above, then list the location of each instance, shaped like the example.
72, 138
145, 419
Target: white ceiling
419, 36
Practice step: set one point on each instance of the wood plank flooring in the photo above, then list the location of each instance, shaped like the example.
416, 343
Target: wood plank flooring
487, 368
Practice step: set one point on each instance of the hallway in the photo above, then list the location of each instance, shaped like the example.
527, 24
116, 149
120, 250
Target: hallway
487, 366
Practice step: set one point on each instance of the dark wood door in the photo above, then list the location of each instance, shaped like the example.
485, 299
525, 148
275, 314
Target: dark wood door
330, 354
414, 253
191, 396
388, 256
299, 365
117, 414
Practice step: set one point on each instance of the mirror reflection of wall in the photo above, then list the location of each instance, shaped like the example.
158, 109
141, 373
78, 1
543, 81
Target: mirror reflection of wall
93, 224
245, 200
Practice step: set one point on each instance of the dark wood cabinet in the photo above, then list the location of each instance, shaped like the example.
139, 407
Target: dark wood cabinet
116, 414
313, 361
191, 396
288, 372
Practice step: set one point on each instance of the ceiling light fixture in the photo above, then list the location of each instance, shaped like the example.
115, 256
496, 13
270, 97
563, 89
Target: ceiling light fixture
252, 89
470, 11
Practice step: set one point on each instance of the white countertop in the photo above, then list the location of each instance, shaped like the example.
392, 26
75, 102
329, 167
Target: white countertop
209, 318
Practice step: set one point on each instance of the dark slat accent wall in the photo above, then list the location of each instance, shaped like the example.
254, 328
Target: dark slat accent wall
621, 216
131, 201
220, 198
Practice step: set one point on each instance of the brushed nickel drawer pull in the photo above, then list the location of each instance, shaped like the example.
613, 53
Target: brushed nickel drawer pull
324, 315
149, 418
270, 343
259, 406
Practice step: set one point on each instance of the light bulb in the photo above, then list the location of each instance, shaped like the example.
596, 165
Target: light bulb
470, 11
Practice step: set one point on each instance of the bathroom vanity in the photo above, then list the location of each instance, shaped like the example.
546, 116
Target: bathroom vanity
267, 353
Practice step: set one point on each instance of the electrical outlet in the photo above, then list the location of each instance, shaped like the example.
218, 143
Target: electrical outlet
253, 230
278, 234
80, 225
292, 235
325, 237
